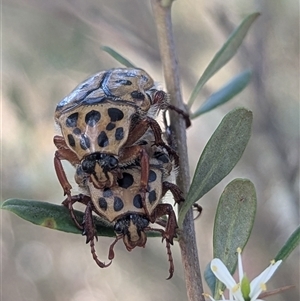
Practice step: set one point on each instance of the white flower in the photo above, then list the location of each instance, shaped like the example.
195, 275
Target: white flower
243, 290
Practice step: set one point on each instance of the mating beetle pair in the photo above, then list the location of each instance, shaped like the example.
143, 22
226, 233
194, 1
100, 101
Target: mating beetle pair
110, 136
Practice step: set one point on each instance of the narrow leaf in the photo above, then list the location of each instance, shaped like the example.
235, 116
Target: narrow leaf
57, 217
220, 155
53, 216
289, 246
227, 51
233, 222
235, 86
118, 57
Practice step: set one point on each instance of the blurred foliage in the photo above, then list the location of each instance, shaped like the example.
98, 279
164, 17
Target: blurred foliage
292, 243
50, 46
57, 217
224, 55
233, 223
221, 153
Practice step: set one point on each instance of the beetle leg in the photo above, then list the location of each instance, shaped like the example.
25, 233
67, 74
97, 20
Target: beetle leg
177, 193
140, 129
111, 253
88, 223
170, 258
69, 201
137, 132
169, 253
59, 142
158, 140
185, 115
166, 209
63, 153
199, 210
61, 175
90, 232
95, 257
170, 229
144, 177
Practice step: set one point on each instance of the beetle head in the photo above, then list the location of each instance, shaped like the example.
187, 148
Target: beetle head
132, 228
100, 166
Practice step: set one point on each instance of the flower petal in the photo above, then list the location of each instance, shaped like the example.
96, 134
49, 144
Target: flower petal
257, 285
222, 273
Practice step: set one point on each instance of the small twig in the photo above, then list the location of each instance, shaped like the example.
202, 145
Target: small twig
187, 241
276, 291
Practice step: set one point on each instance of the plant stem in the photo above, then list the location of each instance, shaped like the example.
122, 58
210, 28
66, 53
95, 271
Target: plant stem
187, 240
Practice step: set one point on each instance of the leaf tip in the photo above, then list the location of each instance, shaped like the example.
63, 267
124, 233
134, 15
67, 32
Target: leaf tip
3, 205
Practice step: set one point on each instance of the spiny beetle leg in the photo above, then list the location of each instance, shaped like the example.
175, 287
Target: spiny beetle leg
169, 253
70, 200
175, 190
166, 209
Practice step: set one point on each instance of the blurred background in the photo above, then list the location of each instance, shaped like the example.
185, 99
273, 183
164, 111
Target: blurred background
51, 46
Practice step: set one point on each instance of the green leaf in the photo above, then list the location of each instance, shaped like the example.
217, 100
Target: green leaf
235, 86
57, 217
289, 246
118, 57
220, 155
233, 222
227, 51
53, 216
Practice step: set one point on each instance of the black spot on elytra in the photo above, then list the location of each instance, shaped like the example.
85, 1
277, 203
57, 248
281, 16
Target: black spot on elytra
107, 192
164, 158
137, 201
110, 126
124, 82
119, 134
152, 176
137, 95
92, 117
115, 114
102, 203
103, 139
152, 196
71, 121
84, 142
118, 204
77, 131
71, 140
126, 181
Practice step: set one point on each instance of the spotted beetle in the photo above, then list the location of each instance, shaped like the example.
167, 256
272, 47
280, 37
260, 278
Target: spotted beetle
124, 207
101, 121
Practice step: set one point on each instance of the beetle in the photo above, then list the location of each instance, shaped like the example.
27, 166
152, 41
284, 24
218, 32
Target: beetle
102, 119
124, 207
